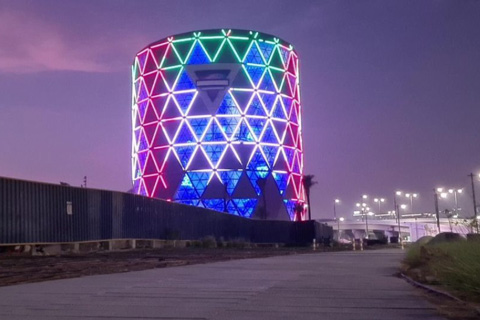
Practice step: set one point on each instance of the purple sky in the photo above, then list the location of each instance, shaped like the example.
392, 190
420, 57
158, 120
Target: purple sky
390, 89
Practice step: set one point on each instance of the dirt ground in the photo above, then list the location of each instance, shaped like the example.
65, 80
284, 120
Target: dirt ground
16, 269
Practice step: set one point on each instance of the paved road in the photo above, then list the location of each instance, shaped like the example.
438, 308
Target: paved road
348, 285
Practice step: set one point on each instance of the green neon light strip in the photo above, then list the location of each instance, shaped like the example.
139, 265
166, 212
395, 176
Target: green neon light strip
190, 52
211, 37
205, 50
219, 50
234, 51
183, 40
176, 52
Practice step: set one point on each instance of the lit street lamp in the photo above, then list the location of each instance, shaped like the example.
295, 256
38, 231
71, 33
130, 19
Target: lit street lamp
411, 196
455, 191
379, 201
397, 213
335, 208
365, 210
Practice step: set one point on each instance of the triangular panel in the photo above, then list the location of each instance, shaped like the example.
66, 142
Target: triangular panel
215, 204
186, 191
214, 133
158, 52
228, 124
184, 82
242, 98
267, 82
245, 207
230, 179
185, 100
266, 49
257, 125
281, 179
183, 48
199, 180
171, 110
171, 58
268, 135
185, 154
256, 108
185, 135
212, 46
214, 152
268, 101
255, 73
198, 125
159, 104
270, 153
198, 55
200, 161
254, 55
228, 107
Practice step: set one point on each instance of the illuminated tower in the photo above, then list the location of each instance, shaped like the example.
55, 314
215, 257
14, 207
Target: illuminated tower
217, 123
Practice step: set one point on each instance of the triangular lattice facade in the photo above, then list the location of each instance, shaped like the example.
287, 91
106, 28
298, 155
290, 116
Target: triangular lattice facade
211, 109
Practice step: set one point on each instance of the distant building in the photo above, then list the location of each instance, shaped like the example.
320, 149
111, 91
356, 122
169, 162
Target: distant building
217, 123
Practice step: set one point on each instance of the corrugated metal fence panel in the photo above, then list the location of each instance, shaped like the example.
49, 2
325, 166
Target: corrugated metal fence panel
37, 212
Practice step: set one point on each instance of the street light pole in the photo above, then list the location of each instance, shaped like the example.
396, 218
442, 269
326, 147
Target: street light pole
455, 191
379, 201
411, 196
474, 199
335, 208
338, 228
366, 223
363, 209
437, 213
397, 212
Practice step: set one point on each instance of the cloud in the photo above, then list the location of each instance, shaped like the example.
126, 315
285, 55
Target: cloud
30, 44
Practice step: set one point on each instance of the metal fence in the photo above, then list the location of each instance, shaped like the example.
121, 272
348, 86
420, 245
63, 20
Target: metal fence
33, 212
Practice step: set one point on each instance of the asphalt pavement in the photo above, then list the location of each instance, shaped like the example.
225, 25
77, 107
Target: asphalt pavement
344, 285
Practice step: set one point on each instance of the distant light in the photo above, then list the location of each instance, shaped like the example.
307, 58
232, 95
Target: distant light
342, 219
337, 200
444, 195
399, 193
364, 196
460, 190
403, 206
415, 195
439, 189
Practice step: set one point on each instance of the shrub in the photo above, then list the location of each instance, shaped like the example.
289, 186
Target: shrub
209, 242
453, 264
238, 243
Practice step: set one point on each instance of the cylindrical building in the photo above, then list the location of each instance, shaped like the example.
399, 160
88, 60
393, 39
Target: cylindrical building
216, 122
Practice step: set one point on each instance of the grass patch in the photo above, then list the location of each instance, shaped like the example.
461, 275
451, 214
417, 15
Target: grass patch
453, 264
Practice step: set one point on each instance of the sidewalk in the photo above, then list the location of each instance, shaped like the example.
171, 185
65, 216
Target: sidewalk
345, 285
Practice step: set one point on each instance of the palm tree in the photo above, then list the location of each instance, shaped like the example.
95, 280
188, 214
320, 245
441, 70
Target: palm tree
298, 209
307, 184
